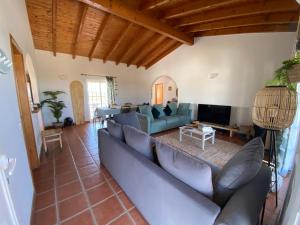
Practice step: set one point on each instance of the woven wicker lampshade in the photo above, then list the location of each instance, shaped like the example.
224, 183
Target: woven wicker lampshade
274, 108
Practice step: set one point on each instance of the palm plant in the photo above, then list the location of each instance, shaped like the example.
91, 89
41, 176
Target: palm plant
56, 106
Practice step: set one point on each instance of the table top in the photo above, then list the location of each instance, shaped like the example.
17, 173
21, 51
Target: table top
195, 130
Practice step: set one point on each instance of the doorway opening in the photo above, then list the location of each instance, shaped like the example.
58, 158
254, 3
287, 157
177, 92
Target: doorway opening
164, 90
97, 94
24, 104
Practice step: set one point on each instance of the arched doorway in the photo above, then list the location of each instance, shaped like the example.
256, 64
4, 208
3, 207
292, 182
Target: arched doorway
164, 90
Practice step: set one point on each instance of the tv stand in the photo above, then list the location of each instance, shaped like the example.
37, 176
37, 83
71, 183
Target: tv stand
218, 126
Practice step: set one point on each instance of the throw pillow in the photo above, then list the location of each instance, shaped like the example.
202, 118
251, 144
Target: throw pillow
168, 110
238, 171
115, 129
155, 113
173, 107
129, 118
139, 141
192, 171
160, 108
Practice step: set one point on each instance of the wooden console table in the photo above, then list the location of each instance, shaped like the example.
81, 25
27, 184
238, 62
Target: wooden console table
218, 126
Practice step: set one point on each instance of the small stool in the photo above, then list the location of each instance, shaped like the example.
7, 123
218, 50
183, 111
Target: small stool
51, 135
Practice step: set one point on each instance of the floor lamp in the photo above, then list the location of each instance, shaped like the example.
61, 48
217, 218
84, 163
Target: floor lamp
274, 110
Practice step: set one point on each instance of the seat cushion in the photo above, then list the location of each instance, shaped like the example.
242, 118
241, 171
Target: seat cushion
146, 110
160, 108
238, 171
139, 141
173, 107
115, 129
171, 119
188, 169
158, 125
130, 119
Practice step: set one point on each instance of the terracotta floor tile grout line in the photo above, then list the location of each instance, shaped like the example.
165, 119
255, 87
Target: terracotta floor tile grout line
116, 193
48, 206
55, 194
82, 186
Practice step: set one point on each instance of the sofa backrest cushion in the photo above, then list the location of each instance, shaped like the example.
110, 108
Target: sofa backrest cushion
238, 171
160, 108
173, 107
183, 109
129, 118
115, 129
188, 169
139, 141
146, 110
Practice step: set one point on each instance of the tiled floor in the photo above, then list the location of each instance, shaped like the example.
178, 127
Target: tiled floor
73, 189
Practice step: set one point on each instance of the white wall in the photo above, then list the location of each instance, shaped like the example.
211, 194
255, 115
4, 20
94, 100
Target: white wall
244, 63
56, 73
13, 20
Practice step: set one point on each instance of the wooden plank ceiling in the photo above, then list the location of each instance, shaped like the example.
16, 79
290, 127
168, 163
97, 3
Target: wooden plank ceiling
141, 32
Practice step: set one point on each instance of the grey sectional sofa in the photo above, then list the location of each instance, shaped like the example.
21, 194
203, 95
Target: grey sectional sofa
165, 200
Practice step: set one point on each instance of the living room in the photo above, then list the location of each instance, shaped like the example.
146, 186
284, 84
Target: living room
107, 57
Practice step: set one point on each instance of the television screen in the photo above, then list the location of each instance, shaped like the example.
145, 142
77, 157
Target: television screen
218, 114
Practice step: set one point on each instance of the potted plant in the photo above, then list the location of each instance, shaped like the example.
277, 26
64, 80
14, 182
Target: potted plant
56, 106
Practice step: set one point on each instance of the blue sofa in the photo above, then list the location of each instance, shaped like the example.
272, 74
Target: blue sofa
179, 117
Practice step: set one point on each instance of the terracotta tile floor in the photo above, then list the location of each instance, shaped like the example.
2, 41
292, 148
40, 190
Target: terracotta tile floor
73, 189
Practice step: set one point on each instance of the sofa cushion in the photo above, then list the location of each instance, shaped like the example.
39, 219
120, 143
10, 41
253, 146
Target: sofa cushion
167, 111
160, 108
139, 141
171, 119
173, 107
155, 113
188, 169
146, 110
129, 118
238, 171
115, 129
183, 108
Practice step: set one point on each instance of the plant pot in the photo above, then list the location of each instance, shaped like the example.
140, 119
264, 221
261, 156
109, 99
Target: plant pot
294, 74
57, 124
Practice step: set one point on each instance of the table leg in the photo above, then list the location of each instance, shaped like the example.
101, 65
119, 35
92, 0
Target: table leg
203, 141
213, 138
180, 135
45, 145
60, 142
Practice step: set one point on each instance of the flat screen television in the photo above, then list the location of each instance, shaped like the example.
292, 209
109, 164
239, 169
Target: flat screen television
219, 114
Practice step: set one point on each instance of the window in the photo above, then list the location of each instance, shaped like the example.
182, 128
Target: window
97, 95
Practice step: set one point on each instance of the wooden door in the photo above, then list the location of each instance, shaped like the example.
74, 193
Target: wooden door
159, 93
24, 107
77, 96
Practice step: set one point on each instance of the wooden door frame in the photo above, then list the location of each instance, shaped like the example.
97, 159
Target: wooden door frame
23, 102
162, 92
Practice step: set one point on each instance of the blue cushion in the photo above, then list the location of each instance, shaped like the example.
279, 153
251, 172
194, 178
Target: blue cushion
160, 108
130, 119
183, 108
146, 110
168, 110
173, 107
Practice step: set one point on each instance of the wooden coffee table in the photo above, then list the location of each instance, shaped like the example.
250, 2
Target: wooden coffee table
197, 134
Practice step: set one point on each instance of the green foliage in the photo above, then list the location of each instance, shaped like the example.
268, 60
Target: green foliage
56, 106
281, 75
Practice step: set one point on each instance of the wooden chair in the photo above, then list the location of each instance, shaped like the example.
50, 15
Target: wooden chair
51, 135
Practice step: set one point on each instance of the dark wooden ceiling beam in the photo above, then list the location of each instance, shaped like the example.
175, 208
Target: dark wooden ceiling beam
268, 19
99, 34
149, 49
54, 17
118, 8
133, 41
116, 44
81, 19
151, 4
252, 29
156, 51
196, 7
249, 9
139, 51
163, 54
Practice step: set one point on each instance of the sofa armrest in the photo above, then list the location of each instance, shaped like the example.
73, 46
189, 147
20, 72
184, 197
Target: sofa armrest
145, 122
245, 205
